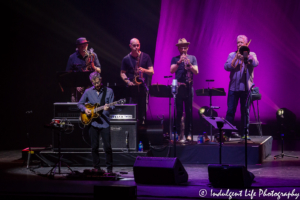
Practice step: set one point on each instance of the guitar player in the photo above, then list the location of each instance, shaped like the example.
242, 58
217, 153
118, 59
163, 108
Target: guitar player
101, 125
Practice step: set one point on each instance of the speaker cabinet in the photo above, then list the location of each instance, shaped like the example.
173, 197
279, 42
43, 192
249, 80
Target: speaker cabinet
119, 130
159, 170
79, 139
229, 176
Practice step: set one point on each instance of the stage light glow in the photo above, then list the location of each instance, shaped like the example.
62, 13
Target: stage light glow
201, 110
280, 112
286, 120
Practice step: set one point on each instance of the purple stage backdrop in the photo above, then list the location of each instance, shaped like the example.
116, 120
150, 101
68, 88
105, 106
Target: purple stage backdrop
212, 27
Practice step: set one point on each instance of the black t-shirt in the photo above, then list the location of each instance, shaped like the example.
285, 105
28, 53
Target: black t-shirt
129, 62
180, 74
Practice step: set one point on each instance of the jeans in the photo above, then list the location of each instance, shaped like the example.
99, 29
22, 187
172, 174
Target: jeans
232, 102
95, 135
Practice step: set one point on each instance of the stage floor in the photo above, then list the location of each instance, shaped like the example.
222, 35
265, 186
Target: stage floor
233, 152
280, 175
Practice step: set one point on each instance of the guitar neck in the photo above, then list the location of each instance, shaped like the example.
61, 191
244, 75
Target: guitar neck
102, 107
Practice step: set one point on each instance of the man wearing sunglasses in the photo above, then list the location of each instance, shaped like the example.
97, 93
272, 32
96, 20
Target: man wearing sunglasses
184, 66
132, 64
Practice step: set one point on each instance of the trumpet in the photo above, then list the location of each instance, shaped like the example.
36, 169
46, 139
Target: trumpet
189, 76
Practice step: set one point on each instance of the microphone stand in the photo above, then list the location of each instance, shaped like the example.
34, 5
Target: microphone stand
174, 84
170, 110
247, 93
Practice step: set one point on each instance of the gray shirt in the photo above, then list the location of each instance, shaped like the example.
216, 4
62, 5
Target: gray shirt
91, 96
237, 77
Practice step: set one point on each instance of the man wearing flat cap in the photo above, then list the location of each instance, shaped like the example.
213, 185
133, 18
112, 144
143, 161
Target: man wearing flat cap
184, 66
80, 61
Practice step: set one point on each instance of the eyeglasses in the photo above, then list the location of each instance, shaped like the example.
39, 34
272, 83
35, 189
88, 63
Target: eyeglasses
97, 83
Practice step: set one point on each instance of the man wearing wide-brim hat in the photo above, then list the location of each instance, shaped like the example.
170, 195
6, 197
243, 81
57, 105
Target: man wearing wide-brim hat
80, 62
184, 66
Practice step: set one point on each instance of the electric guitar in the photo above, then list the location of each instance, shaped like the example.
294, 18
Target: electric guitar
96, 110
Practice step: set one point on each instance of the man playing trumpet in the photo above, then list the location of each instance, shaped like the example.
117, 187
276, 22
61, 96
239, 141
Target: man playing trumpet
237, 67
184, 66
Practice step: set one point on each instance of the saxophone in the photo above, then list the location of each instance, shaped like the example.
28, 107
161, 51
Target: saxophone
137, 73
89, 61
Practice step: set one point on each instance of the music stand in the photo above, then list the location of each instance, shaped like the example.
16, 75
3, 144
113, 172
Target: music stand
73, 79
60, 129
163, 91
211, 92
216, 122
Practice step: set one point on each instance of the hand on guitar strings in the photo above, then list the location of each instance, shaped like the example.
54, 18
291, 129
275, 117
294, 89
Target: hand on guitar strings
88, 112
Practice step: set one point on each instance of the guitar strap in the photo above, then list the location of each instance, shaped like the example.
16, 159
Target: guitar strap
131, 63
102, 102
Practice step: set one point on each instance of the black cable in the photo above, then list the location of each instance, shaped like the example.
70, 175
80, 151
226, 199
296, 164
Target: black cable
82, 133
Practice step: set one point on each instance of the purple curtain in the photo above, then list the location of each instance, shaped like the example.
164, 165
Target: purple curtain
212, 27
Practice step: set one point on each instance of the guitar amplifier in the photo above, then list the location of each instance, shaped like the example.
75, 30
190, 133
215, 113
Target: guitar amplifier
119, 130
68, 110
123, 112
79, 139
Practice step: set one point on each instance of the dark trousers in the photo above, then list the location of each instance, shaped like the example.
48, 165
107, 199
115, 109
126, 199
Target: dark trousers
140, 99
95, 135
232, 102
185, 97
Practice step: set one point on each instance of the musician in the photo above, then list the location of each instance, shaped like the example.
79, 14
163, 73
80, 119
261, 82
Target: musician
237, 89
184, 66
78, 62
99, 126
129, 70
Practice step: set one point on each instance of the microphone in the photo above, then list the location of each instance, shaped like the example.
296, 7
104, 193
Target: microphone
174, 86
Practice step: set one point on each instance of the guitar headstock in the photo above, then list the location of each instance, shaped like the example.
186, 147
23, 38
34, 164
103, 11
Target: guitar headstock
121, 101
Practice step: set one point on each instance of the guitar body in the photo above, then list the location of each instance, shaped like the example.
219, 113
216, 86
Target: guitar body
96, 110
86, 119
